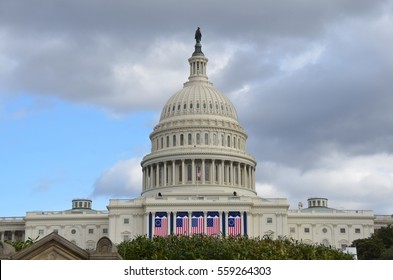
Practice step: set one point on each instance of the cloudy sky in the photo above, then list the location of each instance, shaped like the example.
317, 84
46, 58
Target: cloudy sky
82, 84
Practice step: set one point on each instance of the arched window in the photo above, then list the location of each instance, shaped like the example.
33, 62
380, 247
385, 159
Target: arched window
174, 141
189, 139
181, 139
222, 140
229, 141
215, 141
167, 141
206, 138
198, 139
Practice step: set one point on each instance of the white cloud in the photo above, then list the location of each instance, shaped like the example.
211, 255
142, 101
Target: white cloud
122, 179
360, 182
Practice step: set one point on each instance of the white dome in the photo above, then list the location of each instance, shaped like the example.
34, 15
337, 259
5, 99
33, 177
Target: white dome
198, 99
198, 147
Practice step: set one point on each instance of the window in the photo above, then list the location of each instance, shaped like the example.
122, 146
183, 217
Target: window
206, 139
73, 231
174, 140
167, 141
105, 231
307, 230
269, 220
126, 237
56, 231
198, 139
357, 230
324, 230
292, 230
91, 231
41, 232
181, 139
189, 139
342, 230
126, 220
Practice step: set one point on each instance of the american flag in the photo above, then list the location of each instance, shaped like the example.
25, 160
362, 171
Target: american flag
234, 225
197, 223
182, 224
212, 224
161, 226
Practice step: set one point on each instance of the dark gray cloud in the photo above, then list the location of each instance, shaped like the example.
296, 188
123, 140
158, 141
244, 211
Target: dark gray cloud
311, 80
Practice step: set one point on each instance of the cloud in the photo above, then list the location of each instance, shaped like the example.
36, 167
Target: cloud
361, 182
123, 179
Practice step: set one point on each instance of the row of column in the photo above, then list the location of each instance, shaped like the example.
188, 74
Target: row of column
192, 171
16, 235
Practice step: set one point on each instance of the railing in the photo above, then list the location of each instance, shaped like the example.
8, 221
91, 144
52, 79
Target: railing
11, 219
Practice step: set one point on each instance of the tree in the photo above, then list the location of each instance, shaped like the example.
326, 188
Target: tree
20, 245
202, 247
377, 247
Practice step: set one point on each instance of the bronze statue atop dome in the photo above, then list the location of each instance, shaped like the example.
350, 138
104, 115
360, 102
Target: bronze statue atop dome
198, 35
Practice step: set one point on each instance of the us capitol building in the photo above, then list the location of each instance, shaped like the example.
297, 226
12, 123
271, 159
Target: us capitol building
198, 178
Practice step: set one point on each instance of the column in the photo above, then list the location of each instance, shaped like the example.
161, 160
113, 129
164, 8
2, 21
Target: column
143, 179
193, 171
226, 222
203, 171
239, 180
173, 172
222, 173
245, 177
153, 223
182, 172
157, 175
213, 172
151, 184
189, 222
231, 174
164, 176
205, 222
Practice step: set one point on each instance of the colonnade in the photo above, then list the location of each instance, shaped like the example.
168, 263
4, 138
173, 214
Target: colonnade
12, 235
198, 171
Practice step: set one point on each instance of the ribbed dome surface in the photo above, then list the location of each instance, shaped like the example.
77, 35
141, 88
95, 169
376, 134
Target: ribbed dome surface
198, 98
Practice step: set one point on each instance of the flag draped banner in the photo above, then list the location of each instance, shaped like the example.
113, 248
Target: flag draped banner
234, 223
213, 223
197, 223
161, 224
182, 223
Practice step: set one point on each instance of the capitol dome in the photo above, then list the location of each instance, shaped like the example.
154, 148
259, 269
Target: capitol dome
198, 147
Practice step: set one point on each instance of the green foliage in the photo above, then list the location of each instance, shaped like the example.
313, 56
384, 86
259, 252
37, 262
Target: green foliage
20, 245
377, 247
202, 247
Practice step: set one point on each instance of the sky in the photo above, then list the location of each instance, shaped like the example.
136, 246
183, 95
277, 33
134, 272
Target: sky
83, 82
